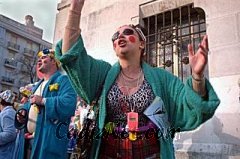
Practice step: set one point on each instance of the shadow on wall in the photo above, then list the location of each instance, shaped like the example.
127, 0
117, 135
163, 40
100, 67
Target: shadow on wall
214, 144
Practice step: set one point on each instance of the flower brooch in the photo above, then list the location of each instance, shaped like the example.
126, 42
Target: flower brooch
53, 87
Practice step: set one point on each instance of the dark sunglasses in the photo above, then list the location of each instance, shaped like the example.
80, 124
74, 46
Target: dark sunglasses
46, 51
125, 32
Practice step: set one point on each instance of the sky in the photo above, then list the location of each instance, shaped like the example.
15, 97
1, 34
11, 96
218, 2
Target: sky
43, 13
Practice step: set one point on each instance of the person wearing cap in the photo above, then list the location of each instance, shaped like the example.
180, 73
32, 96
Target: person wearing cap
130, 87
7, 129
48, 111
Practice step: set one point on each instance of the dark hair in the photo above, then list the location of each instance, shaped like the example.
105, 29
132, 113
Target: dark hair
141, 37
4, 103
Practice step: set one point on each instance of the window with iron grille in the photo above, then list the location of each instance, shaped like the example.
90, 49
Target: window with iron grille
168, 36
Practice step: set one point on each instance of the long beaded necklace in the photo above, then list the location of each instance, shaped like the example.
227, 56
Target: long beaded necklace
132, 116
128, 94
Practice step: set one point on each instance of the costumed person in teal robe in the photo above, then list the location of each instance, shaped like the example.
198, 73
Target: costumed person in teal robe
130, 87
47, 113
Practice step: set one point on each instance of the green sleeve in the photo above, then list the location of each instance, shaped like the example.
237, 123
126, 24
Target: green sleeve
85, 73
187, 110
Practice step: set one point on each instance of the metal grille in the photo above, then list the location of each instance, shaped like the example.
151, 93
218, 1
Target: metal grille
168, 36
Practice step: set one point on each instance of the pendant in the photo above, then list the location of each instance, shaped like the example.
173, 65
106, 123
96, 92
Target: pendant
132, 136
132, 121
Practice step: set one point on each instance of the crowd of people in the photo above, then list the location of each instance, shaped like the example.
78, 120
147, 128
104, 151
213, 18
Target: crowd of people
134, 98
17, 143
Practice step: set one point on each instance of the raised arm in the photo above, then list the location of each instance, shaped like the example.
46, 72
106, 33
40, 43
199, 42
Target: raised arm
72, 28
198, 62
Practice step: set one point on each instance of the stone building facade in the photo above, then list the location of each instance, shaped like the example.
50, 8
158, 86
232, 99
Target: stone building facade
19, 45
178, 22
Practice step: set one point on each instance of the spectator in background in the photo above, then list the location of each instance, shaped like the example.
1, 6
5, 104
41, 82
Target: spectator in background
7, 128
48, 110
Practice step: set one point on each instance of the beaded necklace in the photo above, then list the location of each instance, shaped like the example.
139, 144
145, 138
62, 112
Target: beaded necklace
128, 87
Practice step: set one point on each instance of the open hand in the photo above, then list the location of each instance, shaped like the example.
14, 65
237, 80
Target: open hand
199, 59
